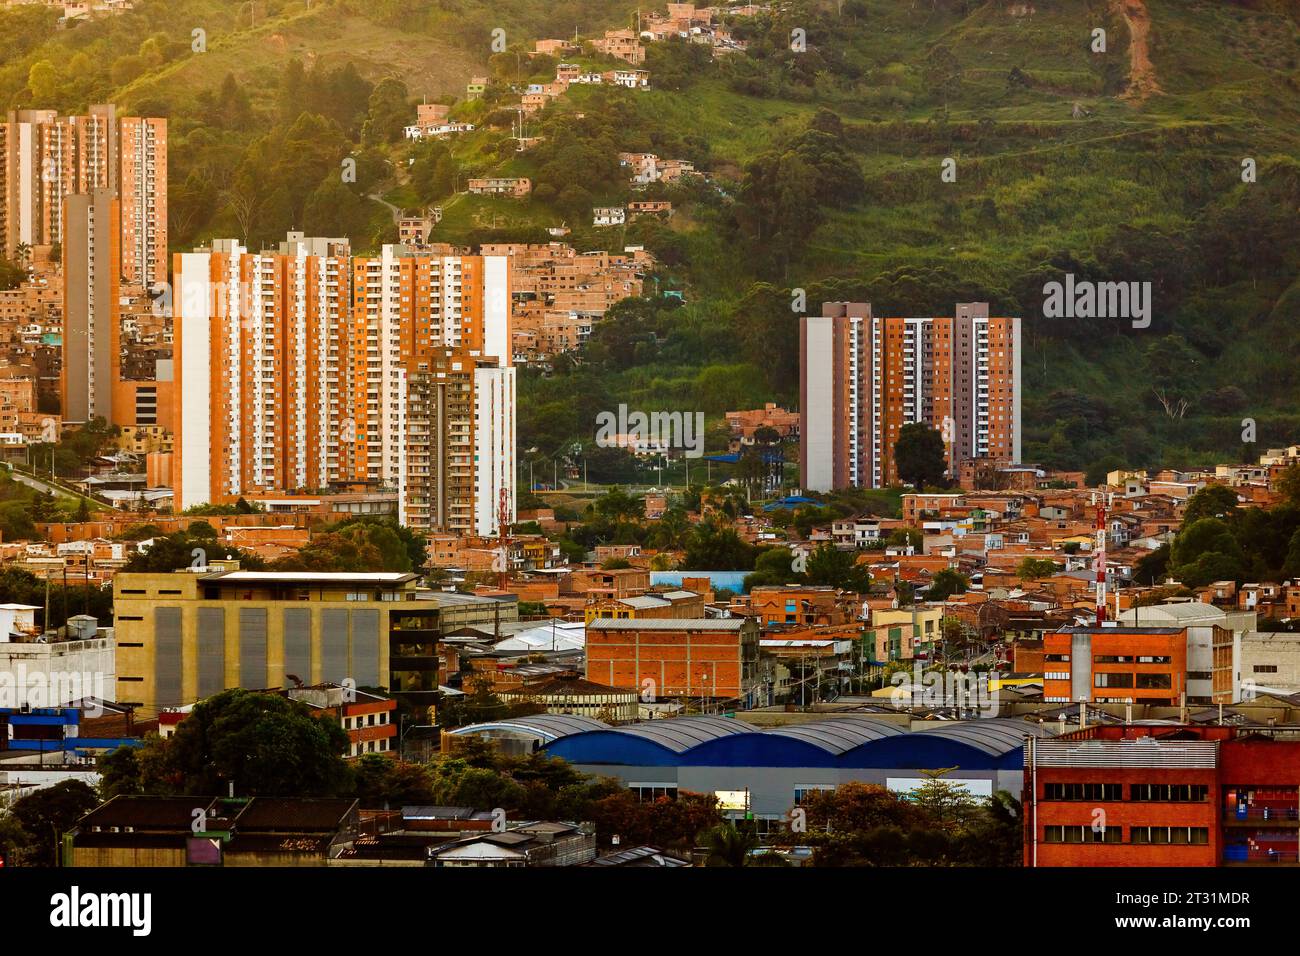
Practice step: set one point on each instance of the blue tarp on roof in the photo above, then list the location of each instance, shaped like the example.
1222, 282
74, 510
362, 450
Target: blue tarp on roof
791, 501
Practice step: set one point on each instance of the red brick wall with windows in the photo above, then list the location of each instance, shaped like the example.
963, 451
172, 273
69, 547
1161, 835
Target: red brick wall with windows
1125, 814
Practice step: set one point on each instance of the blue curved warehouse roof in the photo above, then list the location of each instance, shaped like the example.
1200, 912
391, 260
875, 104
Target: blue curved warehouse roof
991, 744
848, 741
652, 743
817, 744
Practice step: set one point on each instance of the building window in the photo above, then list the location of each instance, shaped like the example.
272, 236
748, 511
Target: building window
648, 792
1154, 681
801, 790
1082, 834
1258, 668
1082, 791
1112, 680
1173, 836
1169, 792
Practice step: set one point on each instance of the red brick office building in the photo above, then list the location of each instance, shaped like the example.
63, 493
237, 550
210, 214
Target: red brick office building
1156, 795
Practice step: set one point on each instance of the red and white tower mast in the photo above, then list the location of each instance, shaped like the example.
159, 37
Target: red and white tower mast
1099, 559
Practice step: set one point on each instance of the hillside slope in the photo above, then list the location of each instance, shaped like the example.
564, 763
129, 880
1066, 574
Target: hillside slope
825, 175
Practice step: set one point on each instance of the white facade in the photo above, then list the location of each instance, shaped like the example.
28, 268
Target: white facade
194, 317
52, 675
1200, 619
494, 446
1270, 662
818, 423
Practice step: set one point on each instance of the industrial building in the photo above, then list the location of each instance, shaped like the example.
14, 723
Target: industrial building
765, 772
1164, 795
186, 635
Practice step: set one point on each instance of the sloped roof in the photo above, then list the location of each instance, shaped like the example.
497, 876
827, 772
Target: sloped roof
839, 734
549, 727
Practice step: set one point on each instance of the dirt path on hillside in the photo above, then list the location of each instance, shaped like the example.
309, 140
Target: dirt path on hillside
1142, 81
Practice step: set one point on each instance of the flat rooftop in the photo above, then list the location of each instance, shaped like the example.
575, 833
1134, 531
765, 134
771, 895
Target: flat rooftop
309, 577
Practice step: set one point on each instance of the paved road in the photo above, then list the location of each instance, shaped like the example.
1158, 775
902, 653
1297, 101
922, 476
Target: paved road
30, 482
397, 213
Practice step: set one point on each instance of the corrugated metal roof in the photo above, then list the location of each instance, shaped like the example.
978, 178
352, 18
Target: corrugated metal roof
996, 736
839, 734
644, 601
1142, 752
679, 734
549, 727
1182, 611
308, 577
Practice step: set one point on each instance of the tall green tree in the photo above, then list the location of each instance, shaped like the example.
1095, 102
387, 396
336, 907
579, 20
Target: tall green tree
1212, 501
48, 813
919, 456
945, 584
265, 744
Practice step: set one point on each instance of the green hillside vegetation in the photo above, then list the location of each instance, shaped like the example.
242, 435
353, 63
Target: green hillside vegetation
824, 175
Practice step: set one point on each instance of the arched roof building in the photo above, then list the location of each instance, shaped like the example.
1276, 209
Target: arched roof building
775, 765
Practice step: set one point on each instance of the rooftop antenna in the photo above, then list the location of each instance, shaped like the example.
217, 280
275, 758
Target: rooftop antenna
1100, 563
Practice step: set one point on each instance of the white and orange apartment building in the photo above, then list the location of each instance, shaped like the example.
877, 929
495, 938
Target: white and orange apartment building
863, 377
307, 367
46, 158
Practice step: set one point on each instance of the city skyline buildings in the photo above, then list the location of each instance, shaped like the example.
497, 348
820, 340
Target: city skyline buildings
307, 367
46, 158
862, 377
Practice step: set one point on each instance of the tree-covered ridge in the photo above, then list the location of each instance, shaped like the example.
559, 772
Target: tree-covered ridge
823, 175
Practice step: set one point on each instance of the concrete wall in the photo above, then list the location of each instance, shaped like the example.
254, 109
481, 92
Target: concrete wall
772, 789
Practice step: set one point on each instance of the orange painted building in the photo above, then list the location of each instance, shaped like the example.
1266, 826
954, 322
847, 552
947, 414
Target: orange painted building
1147, 665
307, 368
798, 604
715, 657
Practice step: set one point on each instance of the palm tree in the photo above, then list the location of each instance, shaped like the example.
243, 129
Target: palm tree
728, 845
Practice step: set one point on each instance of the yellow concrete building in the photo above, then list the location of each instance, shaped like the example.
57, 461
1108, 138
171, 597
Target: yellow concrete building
186, 635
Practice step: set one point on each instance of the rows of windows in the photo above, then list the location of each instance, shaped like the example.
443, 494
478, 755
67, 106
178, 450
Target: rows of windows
1129, 659
1169, 835
649, 792
365, 720
1083, 834
1082, 791
1142, 836
1142, 792
1140, 681
1170, 792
